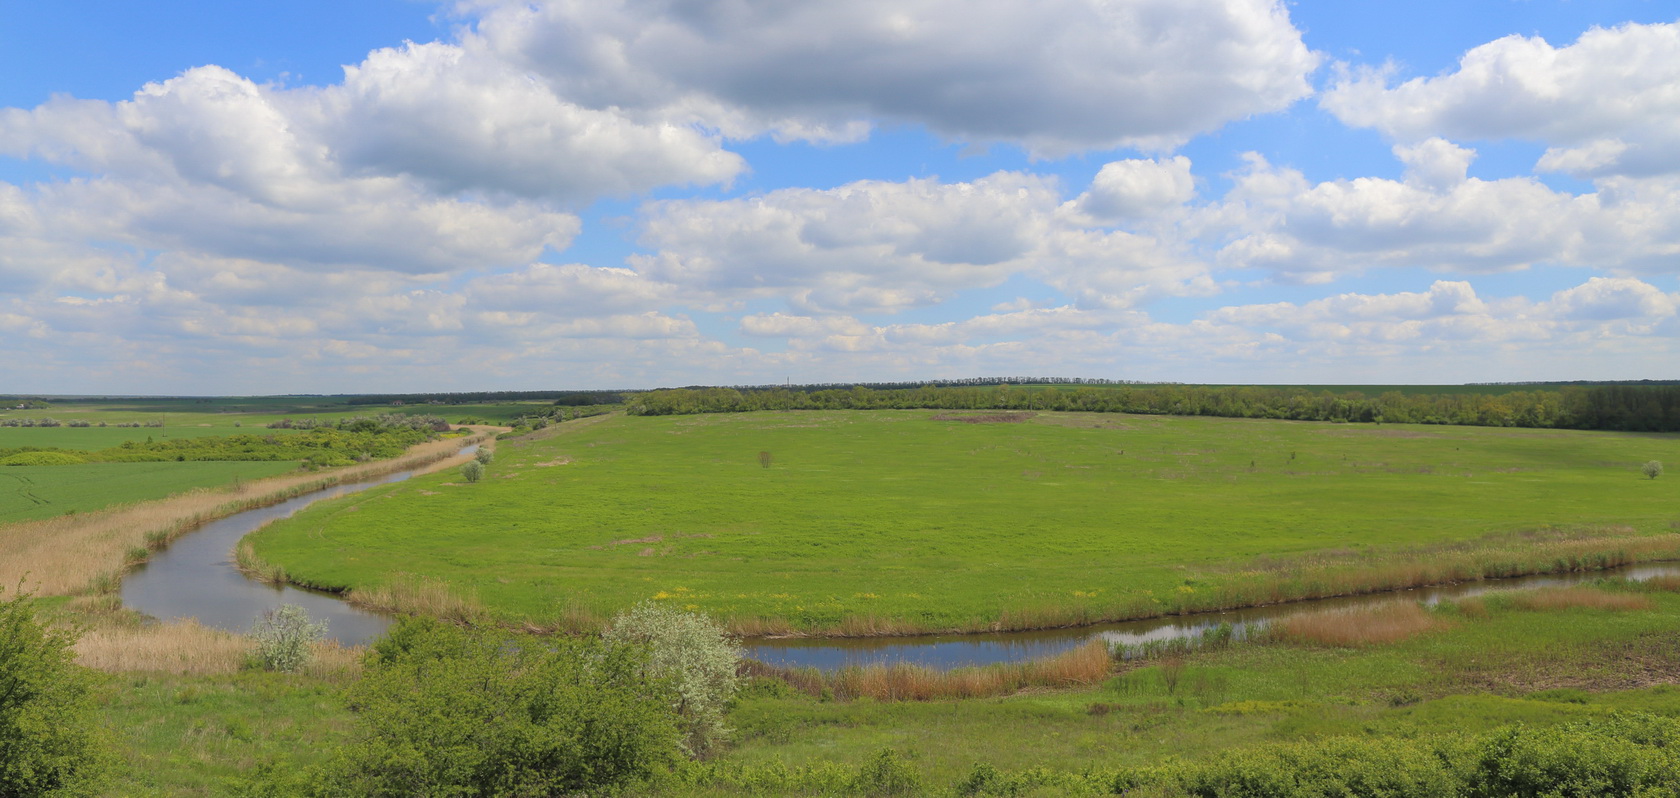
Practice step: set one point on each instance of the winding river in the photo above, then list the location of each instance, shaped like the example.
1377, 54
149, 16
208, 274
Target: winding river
195, 578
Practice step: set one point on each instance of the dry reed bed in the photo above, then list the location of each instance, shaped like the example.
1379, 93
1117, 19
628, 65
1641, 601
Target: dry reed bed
1566, 598
414, 595
189, 648
88, 552
1082, 666
1363, 626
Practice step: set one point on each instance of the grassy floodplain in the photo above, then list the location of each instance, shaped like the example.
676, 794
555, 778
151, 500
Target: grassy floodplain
887, 521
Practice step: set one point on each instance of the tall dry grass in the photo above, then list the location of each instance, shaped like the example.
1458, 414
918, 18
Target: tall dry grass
88, 552
1364, 626
416, 595
1667, 583
1086, 665
1565, 598
188, 648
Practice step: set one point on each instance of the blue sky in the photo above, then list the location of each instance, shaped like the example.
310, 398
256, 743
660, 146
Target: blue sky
268, 197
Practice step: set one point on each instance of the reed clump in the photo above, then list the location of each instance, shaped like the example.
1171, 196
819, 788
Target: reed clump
187, 647
410, 594
1567, 598
1086, 665
254, 567
1364, 626
86, 553
1666, 583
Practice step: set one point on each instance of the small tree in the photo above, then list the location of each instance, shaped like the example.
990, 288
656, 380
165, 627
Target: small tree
473, 471
484, 456
49, 735
1651, 469
696, 655
283, 638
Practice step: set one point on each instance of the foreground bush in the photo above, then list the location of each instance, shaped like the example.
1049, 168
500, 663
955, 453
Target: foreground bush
444, 711
283, 638
49, 739
1631, 756
695, 654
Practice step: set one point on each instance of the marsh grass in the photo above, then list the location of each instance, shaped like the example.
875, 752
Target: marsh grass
417, 595
1567, 598
253, 567
1080, 667
187, 647
1364, 626
88, 552
1666, 583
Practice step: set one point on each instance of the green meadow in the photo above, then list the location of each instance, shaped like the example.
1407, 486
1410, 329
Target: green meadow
926, 521
31, 492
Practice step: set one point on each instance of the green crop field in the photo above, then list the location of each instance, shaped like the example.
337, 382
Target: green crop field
31, 492
944, 524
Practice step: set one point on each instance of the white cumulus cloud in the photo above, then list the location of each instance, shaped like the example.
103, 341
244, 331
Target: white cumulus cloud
1147, 73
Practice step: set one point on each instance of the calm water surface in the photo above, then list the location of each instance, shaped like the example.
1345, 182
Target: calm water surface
195, 576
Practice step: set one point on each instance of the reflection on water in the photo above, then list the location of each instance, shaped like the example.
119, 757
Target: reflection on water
195, 577
952, 651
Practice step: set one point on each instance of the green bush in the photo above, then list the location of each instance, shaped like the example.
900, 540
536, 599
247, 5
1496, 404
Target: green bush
484, 456
698, 657
42, 458
473, 471
283, 637
50, 742
446, 711
888, 773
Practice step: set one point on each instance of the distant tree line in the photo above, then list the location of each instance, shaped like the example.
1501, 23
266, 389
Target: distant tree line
1637, 408
489, 397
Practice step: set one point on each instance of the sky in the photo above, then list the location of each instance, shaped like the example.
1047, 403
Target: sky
302, 196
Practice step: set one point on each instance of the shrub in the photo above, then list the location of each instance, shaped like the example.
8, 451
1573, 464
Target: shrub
283, 637
1652, 469
447, 711
49, 738
484, 456
42, 458
889, 773
696, 655
473, 471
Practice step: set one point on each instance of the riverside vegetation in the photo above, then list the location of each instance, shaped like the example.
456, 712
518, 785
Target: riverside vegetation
1563, 692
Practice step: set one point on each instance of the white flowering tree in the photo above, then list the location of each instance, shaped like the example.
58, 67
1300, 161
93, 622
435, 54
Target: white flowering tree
696, 655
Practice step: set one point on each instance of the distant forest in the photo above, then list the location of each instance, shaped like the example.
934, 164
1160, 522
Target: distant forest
1650, 407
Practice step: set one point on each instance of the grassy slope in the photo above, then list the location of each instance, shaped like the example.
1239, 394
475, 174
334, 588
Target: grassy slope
186, 735
31, 492
895, 514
